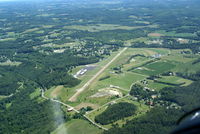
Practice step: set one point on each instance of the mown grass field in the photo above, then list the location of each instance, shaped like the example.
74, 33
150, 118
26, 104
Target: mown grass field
123, 80
155, 68
77, 127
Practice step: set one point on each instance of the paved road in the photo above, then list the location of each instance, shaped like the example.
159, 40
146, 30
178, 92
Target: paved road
74, 97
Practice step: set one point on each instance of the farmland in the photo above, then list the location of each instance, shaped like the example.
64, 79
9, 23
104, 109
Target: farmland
115, 82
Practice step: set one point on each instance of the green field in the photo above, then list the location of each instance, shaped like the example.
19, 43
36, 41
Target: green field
155, 68
175, 80
123, 80
157, 86
77, 127
141, 110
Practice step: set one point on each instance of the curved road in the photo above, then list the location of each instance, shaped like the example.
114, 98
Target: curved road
90, 120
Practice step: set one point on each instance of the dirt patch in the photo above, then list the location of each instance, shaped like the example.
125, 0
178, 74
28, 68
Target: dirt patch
94, 106
107, 92
182, 41
56, 91
155, 35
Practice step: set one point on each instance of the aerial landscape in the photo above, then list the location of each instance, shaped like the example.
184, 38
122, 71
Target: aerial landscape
98, 66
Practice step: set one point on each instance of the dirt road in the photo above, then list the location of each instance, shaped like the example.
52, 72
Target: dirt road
74, 97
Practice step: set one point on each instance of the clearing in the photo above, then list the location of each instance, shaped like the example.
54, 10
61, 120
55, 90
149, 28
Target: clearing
73, 98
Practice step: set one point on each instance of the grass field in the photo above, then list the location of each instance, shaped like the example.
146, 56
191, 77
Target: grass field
105, 27
175, 80
141, 110
123, 80
77, 127
155, 68
183, 62
157, 86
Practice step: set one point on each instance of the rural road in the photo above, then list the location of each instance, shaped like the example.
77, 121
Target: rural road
74, 97
54, 100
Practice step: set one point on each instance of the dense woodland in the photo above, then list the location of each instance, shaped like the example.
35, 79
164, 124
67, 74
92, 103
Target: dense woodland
21, 114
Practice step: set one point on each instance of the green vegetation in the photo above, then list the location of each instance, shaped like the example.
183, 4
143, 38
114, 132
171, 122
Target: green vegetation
155, 121
77, 127
115, 112
44, 44
155, 68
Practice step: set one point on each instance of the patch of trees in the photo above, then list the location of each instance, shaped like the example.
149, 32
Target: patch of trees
9, 83
187, 97
104, 78
158, 120
140, 92
133, 56
190, 76
168, 83
115, 112
153, 77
